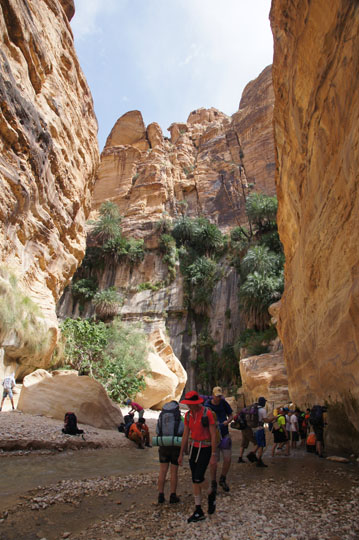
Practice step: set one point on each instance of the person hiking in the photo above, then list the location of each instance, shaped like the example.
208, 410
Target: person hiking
135, 407
294, 429
316, 419
200, 429
169, 424
140, 434
224, 414
259, 432
8, 384
280, 433
247, 437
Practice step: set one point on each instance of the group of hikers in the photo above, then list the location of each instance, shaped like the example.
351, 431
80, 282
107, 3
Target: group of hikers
203, 434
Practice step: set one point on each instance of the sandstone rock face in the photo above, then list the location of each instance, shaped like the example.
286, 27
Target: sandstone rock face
199, 171
265, 375
315, 75
168, 377
55, 394
253, 124
48, 153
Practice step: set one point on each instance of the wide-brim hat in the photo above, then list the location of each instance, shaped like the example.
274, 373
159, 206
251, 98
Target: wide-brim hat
192, 398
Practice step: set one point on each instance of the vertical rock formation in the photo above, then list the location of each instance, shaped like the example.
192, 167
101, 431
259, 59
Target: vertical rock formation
48, 156
316, 119
199, 171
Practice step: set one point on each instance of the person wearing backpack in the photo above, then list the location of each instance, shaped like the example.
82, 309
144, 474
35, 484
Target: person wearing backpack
8, 384
280, 433
316, 419
259, 432
224, 414
169, 424
201, 431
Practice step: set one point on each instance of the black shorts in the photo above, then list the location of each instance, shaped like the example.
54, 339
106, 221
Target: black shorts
169, 454
199, 466
319, 433
279, 436
294, 436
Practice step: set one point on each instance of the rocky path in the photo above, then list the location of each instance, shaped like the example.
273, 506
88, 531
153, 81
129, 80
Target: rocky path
296, 498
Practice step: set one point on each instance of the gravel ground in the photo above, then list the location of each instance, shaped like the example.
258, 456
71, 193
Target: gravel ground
22, 433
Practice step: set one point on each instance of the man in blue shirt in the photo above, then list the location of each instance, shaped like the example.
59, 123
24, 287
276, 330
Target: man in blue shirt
224, 413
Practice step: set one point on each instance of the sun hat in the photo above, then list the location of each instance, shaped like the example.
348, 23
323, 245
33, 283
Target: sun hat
217, 391
192, 398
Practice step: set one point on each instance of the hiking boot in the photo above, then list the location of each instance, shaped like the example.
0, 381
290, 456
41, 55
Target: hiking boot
148, 445
140, 446
240, 460
261, 464
161, 498
251, 457
223, 484
197, 515
212, 503
174, 499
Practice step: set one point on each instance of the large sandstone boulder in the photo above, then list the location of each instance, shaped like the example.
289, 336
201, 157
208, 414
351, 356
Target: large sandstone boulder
265, 375
48, 158
316, 122
167, 377
55, 394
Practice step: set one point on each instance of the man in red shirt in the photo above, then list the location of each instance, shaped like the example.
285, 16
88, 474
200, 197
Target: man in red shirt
201, 431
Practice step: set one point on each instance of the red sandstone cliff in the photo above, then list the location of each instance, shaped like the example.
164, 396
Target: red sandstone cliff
316, 119
48, 154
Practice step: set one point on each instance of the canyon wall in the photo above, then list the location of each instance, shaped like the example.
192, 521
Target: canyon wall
200, 170
48, 160
316, 119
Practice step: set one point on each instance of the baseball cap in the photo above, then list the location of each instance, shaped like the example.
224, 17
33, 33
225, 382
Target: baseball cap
217, 391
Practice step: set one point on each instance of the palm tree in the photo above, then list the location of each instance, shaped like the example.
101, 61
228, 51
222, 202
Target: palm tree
256, 295
259, 259
108, 226
107, 303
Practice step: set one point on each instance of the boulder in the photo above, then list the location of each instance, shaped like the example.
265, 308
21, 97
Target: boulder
265, 375
54, 394
167, 377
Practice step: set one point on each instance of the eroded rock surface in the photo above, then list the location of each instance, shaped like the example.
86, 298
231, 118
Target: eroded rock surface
265, 375
48, 152
316, 119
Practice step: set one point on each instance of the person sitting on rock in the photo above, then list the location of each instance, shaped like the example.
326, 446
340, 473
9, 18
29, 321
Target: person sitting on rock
140, 434
8, 384
135, 407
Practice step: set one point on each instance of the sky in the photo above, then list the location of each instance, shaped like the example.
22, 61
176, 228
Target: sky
169, 57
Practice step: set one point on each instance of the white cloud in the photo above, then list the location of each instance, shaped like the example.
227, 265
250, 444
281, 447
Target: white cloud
87, 13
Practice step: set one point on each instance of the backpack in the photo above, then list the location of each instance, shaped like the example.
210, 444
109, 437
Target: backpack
70, 427
239, 421
128, 419
251, 415
205, 423
316, 415
169, 422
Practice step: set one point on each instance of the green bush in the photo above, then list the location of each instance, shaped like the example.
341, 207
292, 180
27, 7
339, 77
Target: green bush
255, 342
113, 354
109, 223
107, 303
257, 293
20, 315
84, 289
262, 211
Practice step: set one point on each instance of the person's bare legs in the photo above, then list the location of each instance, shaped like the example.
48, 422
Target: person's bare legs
174, 478
162, 477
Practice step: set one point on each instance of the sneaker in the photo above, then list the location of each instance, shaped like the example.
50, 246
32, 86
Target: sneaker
174, 499
212, 503
197, 515
261, 464
240, 460
223, 484
251, 457
161, 498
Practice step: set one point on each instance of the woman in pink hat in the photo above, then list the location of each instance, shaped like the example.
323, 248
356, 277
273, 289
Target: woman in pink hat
200, 429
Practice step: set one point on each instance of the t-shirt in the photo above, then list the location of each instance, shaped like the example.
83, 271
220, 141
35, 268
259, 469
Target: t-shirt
199, 433
136, 406
8, 383
281, 422
293, 423
223, 410
287, 422
262, 414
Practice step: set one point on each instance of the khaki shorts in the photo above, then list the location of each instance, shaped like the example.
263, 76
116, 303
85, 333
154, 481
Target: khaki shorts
247, 437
